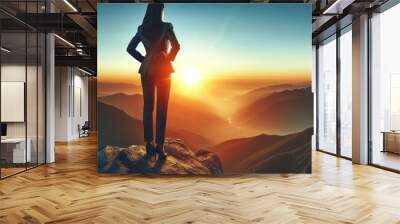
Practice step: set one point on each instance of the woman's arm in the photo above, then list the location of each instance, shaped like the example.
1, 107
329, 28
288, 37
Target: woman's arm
132, 47
174, 44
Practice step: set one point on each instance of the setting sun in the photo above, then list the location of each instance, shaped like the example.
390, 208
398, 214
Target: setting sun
191, 76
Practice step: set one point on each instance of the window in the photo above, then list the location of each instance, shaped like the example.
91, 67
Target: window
346, 93
394, 102
327, 95
385, 89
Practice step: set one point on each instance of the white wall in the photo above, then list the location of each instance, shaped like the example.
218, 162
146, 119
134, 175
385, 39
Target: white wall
81, 104
71, 102
62, 82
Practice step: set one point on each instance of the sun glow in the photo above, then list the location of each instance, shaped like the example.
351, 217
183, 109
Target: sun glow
191, 76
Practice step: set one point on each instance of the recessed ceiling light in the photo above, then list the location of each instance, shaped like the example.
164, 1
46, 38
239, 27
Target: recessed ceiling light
5, 50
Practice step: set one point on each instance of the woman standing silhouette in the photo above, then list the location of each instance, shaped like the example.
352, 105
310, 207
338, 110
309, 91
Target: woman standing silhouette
155, 71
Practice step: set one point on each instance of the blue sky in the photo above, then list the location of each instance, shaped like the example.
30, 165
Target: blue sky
219, 39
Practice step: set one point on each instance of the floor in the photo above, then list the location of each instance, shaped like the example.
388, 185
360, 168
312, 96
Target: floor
70, 191
5, 172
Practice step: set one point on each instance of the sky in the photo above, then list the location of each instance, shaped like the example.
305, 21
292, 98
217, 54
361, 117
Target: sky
226, 39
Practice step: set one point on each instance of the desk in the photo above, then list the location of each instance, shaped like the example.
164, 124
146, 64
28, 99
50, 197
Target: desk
14, 150
391, 141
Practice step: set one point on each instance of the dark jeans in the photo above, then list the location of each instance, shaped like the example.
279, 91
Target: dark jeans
153, 88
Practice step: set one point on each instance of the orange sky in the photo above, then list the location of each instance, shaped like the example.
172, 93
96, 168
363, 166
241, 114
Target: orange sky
134, 76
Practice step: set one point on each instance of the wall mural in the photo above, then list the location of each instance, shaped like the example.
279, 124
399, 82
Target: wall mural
204, 88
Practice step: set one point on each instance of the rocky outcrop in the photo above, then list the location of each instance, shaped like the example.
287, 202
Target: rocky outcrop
180, 160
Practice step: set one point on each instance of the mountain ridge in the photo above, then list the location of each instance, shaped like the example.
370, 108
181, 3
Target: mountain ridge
278, 113
250, 153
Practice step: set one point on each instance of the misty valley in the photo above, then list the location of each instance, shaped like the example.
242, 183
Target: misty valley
259, 129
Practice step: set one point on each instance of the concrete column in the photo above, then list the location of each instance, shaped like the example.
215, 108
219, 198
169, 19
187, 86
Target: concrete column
360, 89
50, 93
62, 103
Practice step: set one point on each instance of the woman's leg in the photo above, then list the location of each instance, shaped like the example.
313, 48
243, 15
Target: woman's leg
163, 90
148, 107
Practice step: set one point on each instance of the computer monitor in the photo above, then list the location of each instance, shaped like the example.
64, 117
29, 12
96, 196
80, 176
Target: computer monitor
3, 129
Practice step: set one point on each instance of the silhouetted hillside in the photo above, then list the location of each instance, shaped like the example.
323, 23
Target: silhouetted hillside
267, 153
279, 113
232, 151
117, 128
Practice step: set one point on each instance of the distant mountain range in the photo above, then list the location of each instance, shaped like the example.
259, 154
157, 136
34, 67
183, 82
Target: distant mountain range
282, 112
267, 153
256, 94
110, 88
184, 113
117, 128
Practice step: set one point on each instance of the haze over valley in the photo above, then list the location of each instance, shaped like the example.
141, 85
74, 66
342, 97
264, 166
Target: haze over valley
259, 119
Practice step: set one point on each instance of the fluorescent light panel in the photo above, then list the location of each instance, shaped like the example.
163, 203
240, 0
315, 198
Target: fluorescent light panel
70, 5
64, 40
84, 71
338, 6
5, 50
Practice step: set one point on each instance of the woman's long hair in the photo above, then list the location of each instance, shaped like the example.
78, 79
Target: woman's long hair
152, 21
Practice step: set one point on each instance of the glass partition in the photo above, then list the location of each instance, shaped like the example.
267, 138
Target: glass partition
22, 88
14, 153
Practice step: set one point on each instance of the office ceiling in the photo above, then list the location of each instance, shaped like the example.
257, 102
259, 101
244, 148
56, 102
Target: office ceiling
75, 22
